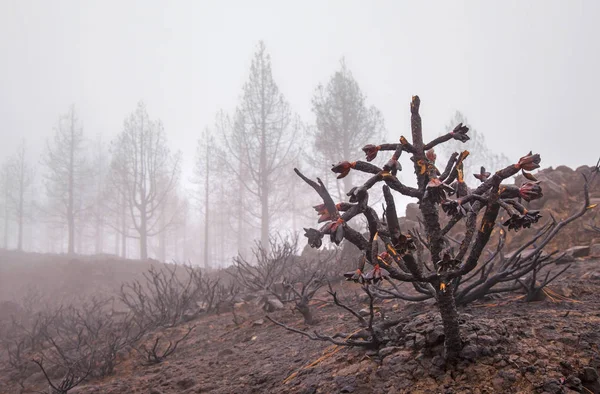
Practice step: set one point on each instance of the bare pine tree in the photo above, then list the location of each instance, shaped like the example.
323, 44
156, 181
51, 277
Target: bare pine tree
344, 121
145, 172
100, 168
21, 175
264, 129
205, 174
235, 193
67, 171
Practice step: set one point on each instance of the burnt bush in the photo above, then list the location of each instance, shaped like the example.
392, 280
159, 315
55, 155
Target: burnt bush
168, 297
277, 276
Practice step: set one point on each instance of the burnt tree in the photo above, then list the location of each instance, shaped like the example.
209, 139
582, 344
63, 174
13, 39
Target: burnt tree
260, 142
393, 253
67, 174
145, 173
344, 122
22, 177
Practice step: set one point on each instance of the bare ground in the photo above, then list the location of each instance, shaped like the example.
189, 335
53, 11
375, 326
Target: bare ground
549, 346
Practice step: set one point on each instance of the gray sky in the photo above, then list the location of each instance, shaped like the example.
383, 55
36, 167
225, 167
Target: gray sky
525, 73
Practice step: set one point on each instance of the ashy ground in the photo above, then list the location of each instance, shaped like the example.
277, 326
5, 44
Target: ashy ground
550, 346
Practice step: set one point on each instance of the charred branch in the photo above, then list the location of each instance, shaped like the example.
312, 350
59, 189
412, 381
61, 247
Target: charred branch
155, 355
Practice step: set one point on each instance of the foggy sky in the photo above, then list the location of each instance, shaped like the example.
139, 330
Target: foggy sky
524, 73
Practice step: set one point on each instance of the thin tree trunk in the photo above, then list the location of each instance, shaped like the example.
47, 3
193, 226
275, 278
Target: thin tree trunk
6, 226
348, 178
222, 240
264, 228
6, 206
264, 177
99, 244
206, 208
71, 230
79, 240
70, 204
240, 213
264, 208
62, 239
99, 248
184, 254
162, 240
117, 238
293, 197
30, 239
143, 246
346, 153
20, 212
143, 233
20, 233
124, 226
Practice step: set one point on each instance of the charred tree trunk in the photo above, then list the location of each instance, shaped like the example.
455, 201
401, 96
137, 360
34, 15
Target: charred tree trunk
306, 312
447, 307
445, 296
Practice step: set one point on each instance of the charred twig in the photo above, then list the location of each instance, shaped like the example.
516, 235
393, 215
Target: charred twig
369, 337
337, 302
73, 377
154, 355
315, 336
267, 274
166, 298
